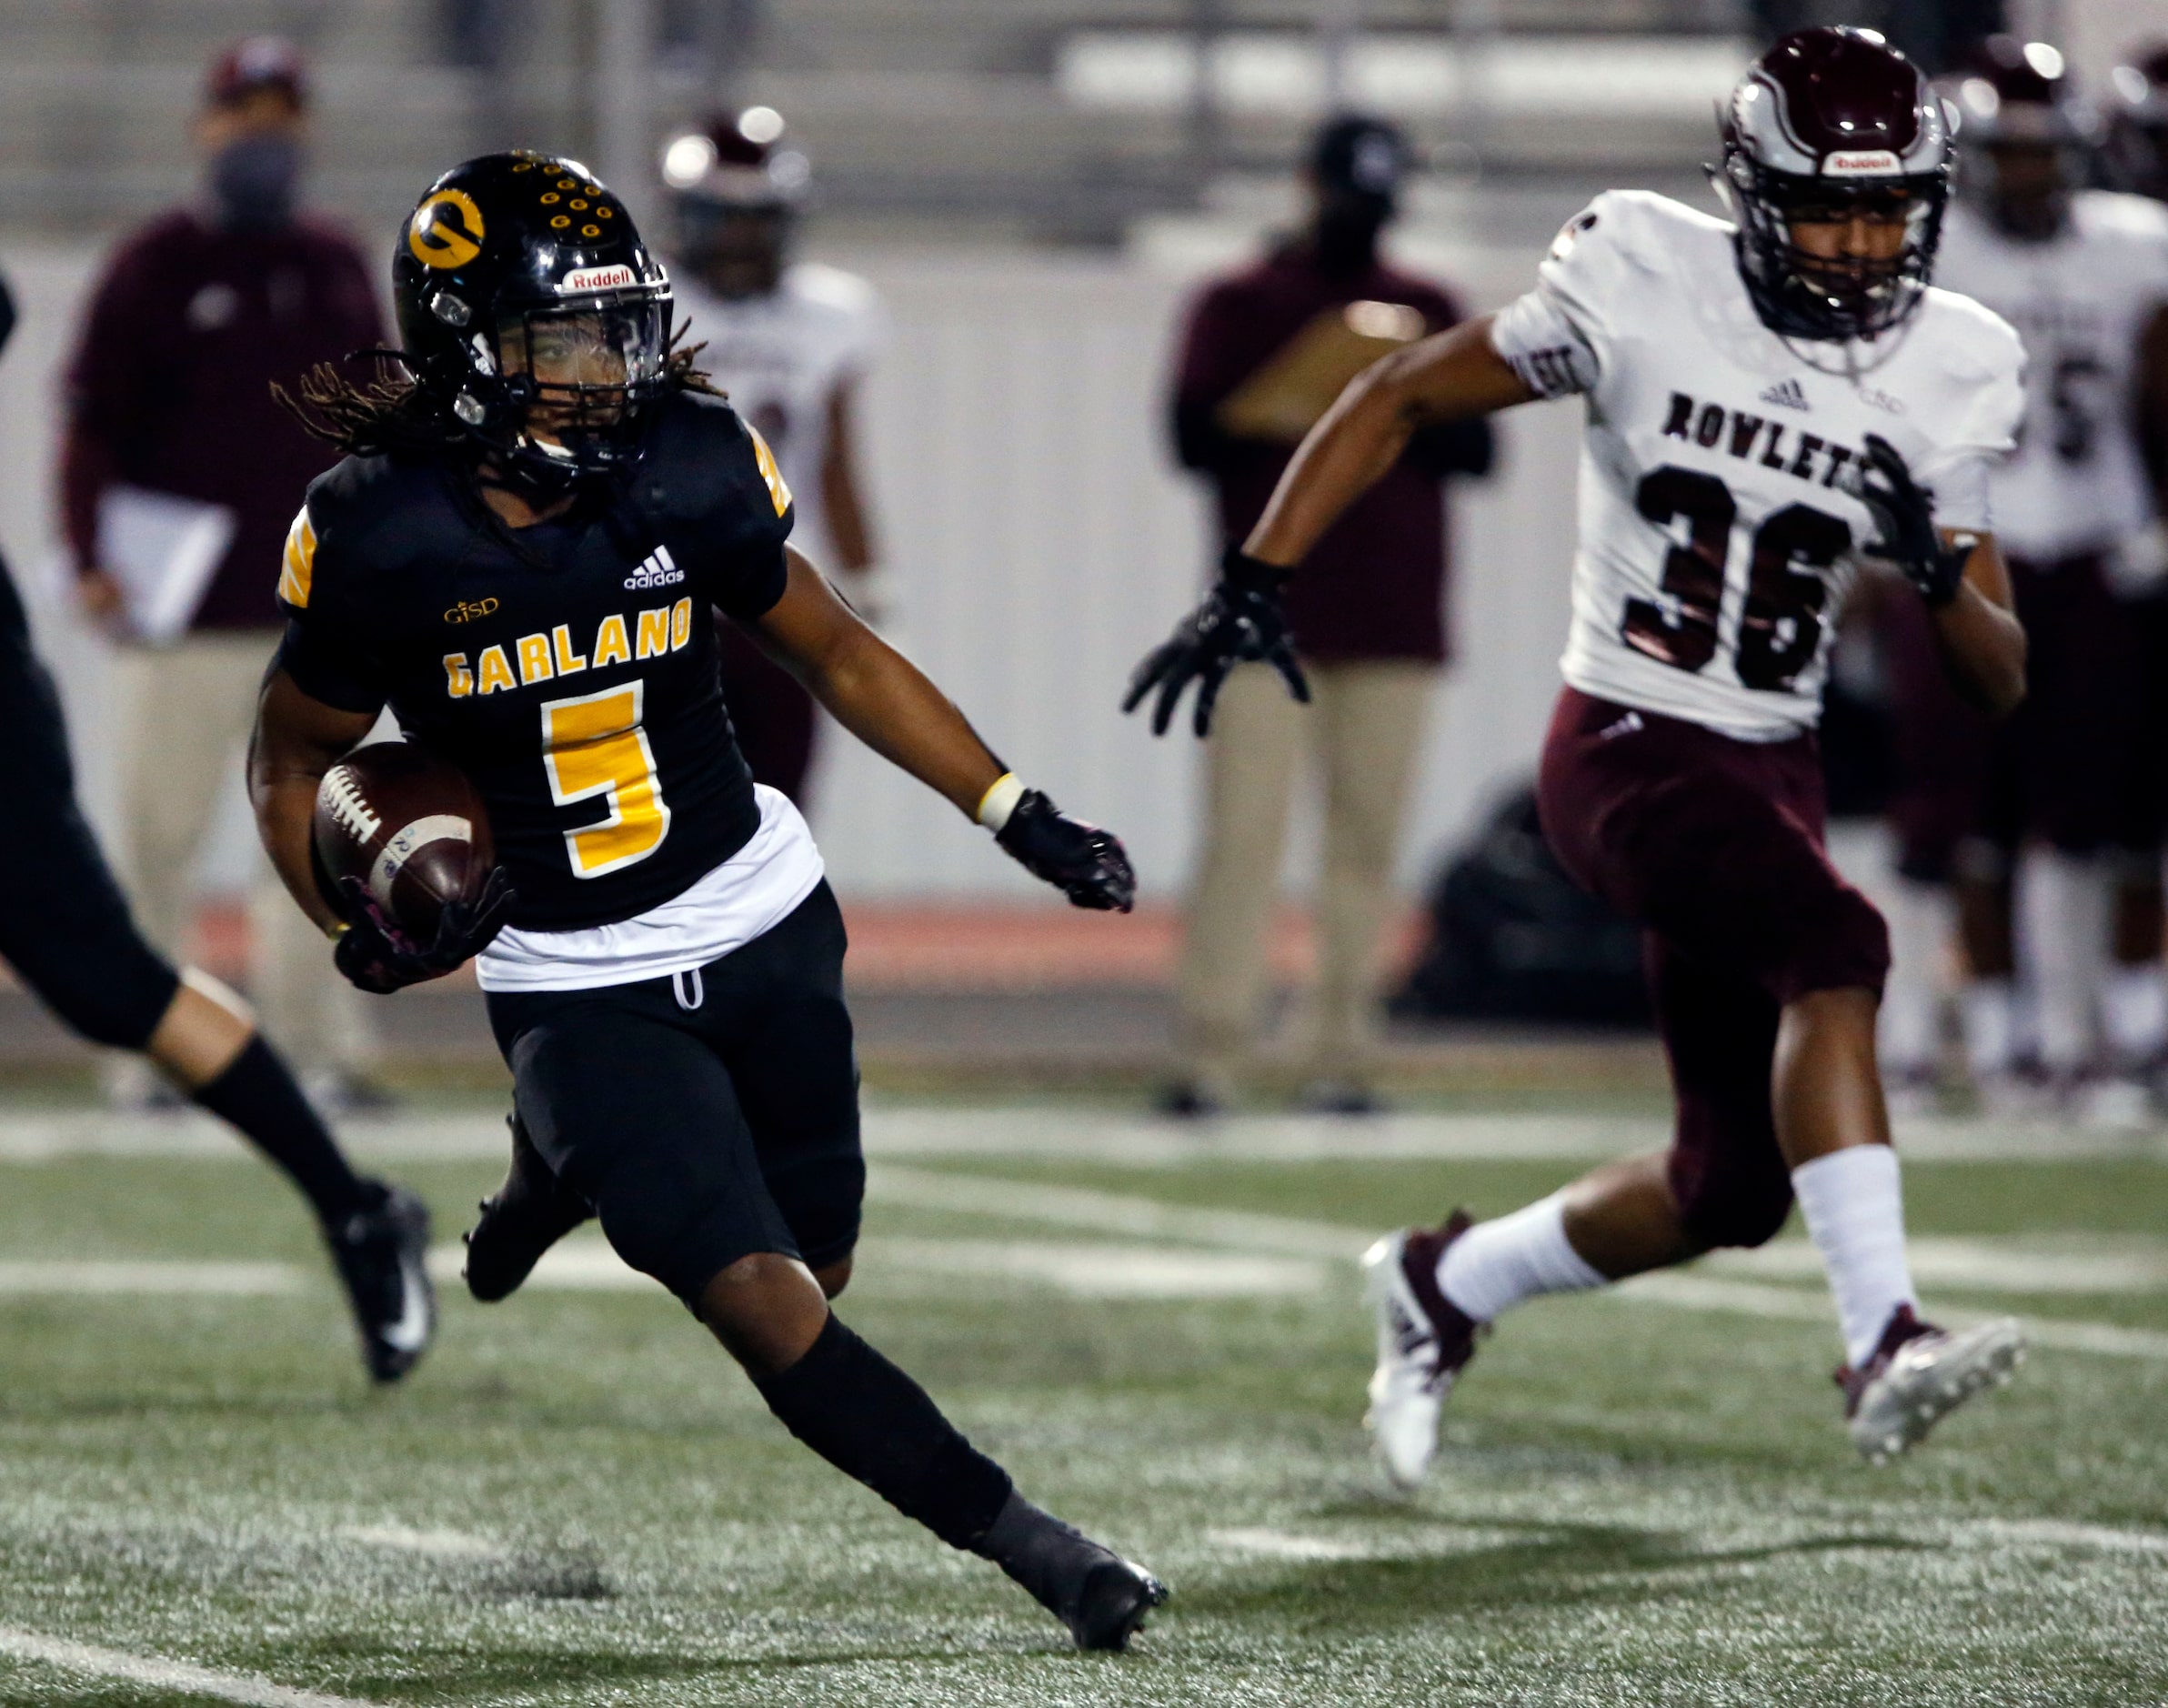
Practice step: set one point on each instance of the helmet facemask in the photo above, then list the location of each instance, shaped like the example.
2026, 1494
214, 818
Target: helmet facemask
1848, 289
574, 381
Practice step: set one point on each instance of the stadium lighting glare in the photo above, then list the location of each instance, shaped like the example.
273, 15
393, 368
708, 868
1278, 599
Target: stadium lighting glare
688, 160
760, 125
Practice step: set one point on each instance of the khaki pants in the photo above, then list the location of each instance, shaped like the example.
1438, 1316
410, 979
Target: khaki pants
186, 711
1363, 727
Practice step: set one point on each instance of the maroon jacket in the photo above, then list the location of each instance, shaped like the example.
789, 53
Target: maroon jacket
171, 385
1374, 586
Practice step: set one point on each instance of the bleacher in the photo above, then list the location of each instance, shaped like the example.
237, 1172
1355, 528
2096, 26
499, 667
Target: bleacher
1036, 117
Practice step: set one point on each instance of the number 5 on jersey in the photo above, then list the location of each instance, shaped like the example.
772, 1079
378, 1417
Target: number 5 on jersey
593, 746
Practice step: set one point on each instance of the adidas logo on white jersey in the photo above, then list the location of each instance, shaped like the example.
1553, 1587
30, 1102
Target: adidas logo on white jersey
658, 569
1787, 394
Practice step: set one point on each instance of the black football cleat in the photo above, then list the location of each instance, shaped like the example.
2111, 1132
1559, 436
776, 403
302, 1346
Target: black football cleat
382, 1255
1117, 1597
1102, 1598
530, 1212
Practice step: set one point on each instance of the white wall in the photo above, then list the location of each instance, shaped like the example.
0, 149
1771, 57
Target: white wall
1040, 541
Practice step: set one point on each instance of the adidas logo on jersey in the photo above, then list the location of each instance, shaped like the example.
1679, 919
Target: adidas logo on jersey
1787, 395
658, 569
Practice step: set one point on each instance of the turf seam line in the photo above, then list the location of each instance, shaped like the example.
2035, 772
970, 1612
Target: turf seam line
183, 1675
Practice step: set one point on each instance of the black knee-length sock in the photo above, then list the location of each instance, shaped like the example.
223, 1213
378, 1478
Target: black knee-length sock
871, 1422
257, 1094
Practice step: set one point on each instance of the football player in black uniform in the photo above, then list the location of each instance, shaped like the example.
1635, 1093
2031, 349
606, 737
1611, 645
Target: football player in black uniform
518, 556
66, 928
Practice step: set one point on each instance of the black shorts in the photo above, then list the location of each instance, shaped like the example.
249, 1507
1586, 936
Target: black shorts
705, 1115
65, 926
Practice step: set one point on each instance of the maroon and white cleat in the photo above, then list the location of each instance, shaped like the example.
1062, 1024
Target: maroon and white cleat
1920, 1373
1424, 1341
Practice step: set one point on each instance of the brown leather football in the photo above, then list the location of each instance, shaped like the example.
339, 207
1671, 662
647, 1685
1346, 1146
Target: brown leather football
409, 826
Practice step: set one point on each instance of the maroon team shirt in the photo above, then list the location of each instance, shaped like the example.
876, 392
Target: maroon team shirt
1374, 586
171, 385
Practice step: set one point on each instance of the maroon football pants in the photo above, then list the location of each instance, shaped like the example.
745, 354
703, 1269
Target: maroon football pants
1713, 846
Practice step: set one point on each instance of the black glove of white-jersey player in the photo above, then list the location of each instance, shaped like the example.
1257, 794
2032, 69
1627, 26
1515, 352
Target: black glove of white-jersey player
1904, 512
1239, 620
1087, 864
376, 954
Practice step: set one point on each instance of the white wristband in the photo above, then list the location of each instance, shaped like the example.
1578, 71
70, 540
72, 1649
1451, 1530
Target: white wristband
1000, 801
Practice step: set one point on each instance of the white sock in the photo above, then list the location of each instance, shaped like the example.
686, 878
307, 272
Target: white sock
1496, 1264
1920, 916
1855, 1215
2062, 914
1987, 1011
2134, 1013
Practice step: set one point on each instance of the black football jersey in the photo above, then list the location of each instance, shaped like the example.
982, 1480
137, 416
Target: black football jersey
569, 668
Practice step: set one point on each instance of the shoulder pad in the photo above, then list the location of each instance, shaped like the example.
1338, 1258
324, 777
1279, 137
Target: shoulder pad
705, 464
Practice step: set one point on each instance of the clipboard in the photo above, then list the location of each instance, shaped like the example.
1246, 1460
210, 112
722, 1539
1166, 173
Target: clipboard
162, 550
1285, 398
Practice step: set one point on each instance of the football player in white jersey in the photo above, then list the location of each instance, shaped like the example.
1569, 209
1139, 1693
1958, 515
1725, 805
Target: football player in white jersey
1767, 400
788, 342
2067, 785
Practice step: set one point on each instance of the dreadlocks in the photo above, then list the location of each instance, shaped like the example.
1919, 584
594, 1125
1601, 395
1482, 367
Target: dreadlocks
393, 416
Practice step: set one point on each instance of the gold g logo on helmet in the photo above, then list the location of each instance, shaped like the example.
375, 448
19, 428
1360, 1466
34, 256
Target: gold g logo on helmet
446, 230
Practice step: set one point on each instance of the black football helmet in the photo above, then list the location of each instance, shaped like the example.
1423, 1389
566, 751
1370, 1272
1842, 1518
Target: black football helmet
517, 267
1825, 123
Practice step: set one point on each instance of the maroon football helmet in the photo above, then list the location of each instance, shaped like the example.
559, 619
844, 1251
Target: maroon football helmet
2025, 134
2137, 144
1825, 125
735, 188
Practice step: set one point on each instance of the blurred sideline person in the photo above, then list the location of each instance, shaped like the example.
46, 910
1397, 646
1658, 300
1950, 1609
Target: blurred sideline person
1767, 401
67, 932
2051, 824
661, 952
788, 344
1265, 351
196, 315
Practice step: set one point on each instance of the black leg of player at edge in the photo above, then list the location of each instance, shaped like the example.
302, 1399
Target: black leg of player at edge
66, 928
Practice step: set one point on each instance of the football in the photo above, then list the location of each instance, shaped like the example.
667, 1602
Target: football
409, 826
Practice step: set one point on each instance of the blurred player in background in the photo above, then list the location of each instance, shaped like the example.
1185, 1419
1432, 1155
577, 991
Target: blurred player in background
1759, 397
788, 343
67, 932
2060, 833
170, 391
1264, 353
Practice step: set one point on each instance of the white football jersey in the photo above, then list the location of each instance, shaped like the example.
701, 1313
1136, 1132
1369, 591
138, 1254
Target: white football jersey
780, 358
1717, 529
2080, 301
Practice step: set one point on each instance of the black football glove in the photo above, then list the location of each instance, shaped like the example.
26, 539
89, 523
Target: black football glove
376, 956
1239, 620
1904, 512
1085, 863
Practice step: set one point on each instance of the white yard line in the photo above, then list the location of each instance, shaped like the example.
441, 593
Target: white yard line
1114, 1213
139, 1669
1081, 1135
438, 1544
224, 1280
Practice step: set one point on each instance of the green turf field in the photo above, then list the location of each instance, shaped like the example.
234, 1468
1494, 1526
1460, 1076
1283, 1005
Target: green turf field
1645, 1498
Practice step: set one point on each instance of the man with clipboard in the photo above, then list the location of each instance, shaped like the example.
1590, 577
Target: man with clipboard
178, 476
1266, 352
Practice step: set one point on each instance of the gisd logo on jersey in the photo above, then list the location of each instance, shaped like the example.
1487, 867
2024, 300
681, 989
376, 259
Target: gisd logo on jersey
778, 493
446, 230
